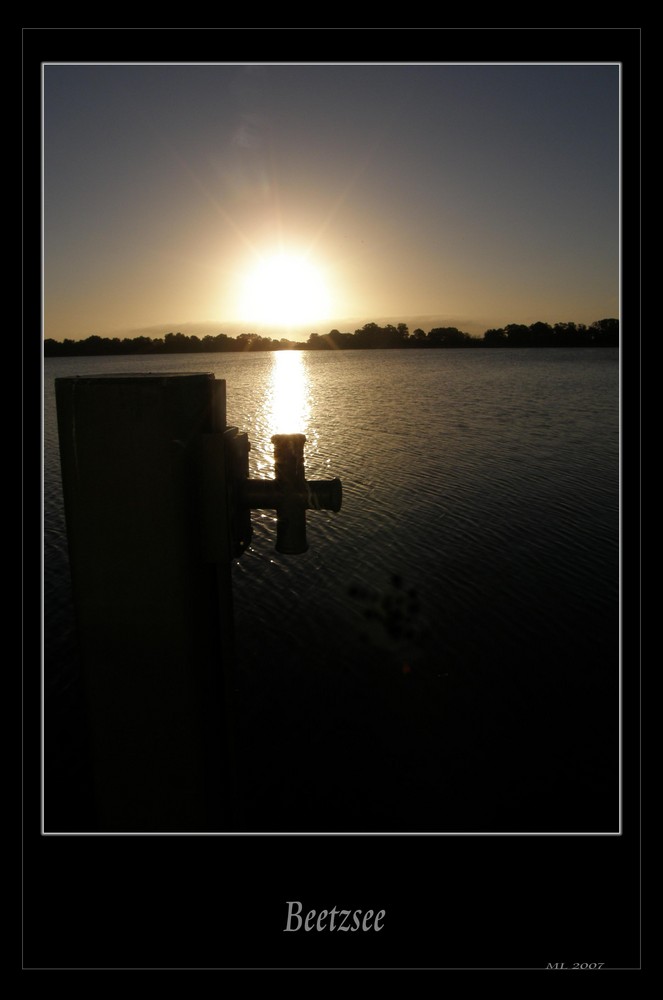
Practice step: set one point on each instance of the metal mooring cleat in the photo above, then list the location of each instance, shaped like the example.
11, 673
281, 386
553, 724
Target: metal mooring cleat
290, 493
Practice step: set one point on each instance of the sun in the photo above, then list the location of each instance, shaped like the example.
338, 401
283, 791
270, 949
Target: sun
284, 289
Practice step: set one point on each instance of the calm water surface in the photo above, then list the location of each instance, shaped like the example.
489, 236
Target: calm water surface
445, 655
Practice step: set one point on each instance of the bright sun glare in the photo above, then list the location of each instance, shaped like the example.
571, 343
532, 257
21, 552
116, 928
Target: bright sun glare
284, 289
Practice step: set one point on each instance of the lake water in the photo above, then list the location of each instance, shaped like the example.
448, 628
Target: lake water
445, 656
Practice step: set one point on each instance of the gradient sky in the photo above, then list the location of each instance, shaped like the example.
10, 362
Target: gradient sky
472, 195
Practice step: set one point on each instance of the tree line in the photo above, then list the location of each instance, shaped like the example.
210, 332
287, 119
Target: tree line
602, 333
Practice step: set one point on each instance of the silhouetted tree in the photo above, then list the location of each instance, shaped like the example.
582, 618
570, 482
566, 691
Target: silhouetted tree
540, 335
495, 338
447, 336
176, 343
602, 333
517, 335
605, 332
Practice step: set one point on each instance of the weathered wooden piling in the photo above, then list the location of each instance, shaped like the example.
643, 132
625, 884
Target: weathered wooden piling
158, 503
152, 595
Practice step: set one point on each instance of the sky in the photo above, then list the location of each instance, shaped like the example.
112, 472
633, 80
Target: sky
233, 198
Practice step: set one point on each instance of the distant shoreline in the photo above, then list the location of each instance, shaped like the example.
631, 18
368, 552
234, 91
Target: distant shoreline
602, 333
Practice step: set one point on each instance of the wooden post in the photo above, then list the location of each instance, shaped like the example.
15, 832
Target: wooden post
154, 608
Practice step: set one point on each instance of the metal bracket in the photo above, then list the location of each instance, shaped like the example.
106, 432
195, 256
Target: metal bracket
229, 495
291, 494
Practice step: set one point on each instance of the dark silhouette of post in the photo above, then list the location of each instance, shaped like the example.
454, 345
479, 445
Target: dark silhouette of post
157, 504
153, 604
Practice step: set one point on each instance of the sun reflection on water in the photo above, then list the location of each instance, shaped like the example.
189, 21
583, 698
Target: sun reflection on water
289, 400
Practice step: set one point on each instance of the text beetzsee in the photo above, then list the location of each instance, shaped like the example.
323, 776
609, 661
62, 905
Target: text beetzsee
350, 920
